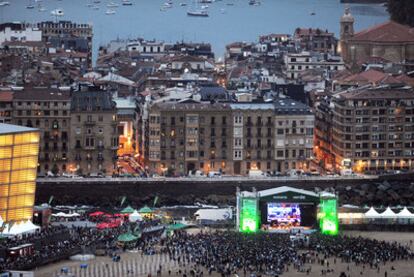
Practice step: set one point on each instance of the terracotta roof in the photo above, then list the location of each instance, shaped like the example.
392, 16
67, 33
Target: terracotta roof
366, 77
373, 94
6, 96
42, 94
389, 31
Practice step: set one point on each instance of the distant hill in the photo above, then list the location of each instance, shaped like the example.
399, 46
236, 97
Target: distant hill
364, 1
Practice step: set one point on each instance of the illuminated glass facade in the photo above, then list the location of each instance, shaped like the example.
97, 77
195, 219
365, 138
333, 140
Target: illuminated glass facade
328, 216
249, 216
19, 147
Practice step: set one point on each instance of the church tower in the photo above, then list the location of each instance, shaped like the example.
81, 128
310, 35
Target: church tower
347, 31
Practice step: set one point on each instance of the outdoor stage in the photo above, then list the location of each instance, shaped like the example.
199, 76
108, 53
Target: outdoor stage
287, 210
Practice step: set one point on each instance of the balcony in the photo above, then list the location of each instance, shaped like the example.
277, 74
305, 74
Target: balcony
100, 159
89, 123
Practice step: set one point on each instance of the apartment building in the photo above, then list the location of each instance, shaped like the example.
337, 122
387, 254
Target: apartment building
272, 137
185, 137
47, 110
232, 138
94, 137
6, 106
297, 63
373, 129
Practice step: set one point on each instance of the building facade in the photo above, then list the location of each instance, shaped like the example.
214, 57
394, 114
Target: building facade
390, 41
231, 138
94, 136
6, 106
19, 148
49, 111
373, 129
296, 63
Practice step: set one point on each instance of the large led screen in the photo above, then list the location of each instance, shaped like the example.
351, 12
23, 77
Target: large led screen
283, 213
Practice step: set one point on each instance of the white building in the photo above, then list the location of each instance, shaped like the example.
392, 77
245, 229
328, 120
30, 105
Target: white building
19, 32
298, 62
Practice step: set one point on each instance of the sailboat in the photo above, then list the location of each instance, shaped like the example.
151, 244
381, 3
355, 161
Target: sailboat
41, 8
112, 5
30, 6
126, 3
197, 11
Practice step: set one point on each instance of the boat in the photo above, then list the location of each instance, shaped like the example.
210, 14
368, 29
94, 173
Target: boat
202, 13
126, 3
197, 11
312, 13
4, 3
166, 5
30, 6
254, 2
57, 12
206, 1
204, 7
41, 8
183, 4
109, 12
112, 5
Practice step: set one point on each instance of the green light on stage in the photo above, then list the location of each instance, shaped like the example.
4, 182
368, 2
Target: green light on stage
328, 217
249, 216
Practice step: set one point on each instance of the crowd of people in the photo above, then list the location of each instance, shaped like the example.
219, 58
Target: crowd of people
221, 252
230, 253
60, 242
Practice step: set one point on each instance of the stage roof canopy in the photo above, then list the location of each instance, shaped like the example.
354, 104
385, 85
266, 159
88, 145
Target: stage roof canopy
287, 194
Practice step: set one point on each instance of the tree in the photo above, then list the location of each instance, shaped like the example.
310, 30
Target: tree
402, 11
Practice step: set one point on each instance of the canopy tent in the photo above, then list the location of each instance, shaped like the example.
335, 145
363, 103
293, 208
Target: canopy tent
128, 210
388, 213
62, 214
372, 213
98, 213
20, 228
127, 237
177, 226
145, 210
405, 213
135, 216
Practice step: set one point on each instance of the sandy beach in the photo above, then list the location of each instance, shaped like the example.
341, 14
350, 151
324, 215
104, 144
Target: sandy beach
142, 265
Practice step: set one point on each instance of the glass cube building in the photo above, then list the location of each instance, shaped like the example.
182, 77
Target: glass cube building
19, 147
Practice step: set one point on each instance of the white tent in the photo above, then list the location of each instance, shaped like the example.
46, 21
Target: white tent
61, 214
405, 213
388, 213
20, 228
135, 216
372, 213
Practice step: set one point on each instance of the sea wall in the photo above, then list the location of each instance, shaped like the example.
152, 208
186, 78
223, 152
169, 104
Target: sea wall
220, 191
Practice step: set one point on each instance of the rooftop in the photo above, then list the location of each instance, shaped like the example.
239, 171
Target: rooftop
10, 129
378, 93
41, 94
389, 31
